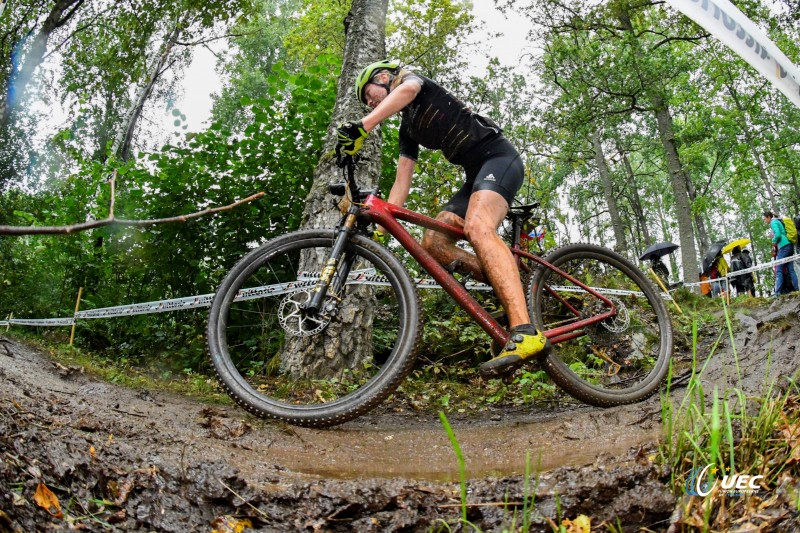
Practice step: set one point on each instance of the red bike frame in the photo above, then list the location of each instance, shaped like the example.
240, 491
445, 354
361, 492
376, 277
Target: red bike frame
388, 215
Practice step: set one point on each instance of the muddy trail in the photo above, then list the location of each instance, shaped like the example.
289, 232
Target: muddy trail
117, 459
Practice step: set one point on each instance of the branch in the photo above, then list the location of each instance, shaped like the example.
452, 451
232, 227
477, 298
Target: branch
693, 40
212, 39
113, 221
77, 31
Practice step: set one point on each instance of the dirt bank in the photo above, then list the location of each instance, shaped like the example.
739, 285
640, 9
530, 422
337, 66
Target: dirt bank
119, 459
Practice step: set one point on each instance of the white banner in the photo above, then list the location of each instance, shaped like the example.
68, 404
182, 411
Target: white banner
724, 20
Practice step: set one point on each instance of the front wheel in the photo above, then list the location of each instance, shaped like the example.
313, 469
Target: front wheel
620, 360
280, 360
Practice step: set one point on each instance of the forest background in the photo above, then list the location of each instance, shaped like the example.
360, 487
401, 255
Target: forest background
636, 126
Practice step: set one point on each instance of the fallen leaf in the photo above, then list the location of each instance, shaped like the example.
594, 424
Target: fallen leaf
45, 499
581, 524
229, 524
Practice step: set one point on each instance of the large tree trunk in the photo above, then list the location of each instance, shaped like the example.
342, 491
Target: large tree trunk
348, 342
678, 178
16, 86
702, 235
620, 244
60, 14
683, 208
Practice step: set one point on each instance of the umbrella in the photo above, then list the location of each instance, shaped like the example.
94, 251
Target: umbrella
658, 249
713, 251
741, 243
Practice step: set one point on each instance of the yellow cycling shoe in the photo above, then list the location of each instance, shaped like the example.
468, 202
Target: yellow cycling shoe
525, 342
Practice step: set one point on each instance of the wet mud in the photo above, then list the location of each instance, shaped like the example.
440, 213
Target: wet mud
117, 459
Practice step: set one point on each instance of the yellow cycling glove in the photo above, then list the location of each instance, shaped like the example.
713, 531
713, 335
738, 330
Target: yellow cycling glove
350, 137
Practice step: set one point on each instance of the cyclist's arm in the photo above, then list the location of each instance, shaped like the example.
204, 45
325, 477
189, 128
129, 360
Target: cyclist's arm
395, 101
402, 184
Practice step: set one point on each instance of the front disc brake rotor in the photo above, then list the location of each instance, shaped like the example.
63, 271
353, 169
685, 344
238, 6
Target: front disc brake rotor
296, 320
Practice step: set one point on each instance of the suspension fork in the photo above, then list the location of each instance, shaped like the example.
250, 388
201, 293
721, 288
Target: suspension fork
320, 291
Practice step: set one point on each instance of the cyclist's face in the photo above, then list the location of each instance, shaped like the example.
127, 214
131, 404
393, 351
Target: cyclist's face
374, 94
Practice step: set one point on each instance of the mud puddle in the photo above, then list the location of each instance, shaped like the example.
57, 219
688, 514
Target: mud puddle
495, 450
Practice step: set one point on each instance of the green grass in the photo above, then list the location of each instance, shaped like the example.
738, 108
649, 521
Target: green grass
730, 430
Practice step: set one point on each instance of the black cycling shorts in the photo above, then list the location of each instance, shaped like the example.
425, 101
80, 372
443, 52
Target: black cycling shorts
491, 166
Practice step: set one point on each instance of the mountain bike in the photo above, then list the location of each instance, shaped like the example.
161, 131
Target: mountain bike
319, 326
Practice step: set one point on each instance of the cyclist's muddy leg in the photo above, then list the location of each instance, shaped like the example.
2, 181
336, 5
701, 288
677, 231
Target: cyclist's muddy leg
484, 215
443, 248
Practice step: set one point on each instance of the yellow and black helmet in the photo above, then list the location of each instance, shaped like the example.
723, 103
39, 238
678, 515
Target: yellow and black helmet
368, 72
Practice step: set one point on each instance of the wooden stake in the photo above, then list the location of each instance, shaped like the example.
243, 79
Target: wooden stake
661, 284
77, 306
10, 316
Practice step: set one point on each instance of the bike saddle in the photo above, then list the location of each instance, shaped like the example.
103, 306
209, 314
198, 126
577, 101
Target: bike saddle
522, 210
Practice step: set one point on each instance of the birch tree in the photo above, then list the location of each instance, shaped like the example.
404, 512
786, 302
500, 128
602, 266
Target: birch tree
364, 29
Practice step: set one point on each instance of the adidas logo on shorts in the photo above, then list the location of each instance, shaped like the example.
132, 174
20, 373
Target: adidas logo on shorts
490, 177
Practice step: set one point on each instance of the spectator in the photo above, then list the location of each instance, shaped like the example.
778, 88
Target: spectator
661, 270
743, 283
751, 277
719, 269
785, 277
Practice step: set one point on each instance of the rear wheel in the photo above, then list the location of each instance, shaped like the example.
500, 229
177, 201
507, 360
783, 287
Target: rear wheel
319, 369
620, 360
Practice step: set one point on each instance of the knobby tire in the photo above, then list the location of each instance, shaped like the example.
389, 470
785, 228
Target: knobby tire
250, 380
615, 362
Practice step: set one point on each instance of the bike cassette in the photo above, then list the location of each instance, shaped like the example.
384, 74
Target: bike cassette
297, 321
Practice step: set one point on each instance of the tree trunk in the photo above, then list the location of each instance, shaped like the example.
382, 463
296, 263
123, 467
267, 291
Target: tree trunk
17, 85
678, 178
620, 244
347, 342
699, 221
59, 15
122, 143
683, 208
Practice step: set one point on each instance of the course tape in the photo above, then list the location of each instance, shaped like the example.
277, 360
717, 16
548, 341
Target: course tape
305, 279
308, 279
737, 273
38, 322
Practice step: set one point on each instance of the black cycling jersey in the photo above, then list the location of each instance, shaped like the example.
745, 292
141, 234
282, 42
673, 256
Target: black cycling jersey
438, 120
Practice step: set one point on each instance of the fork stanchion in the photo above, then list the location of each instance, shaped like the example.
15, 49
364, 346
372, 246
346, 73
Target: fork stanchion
663, 288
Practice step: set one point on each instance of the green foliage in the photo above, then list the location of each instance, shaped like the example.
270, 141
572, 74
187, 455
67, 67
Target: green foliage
276, 153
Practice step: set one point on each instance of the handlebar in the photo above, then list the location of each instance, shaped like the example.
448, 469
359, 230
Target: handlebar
348, 165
